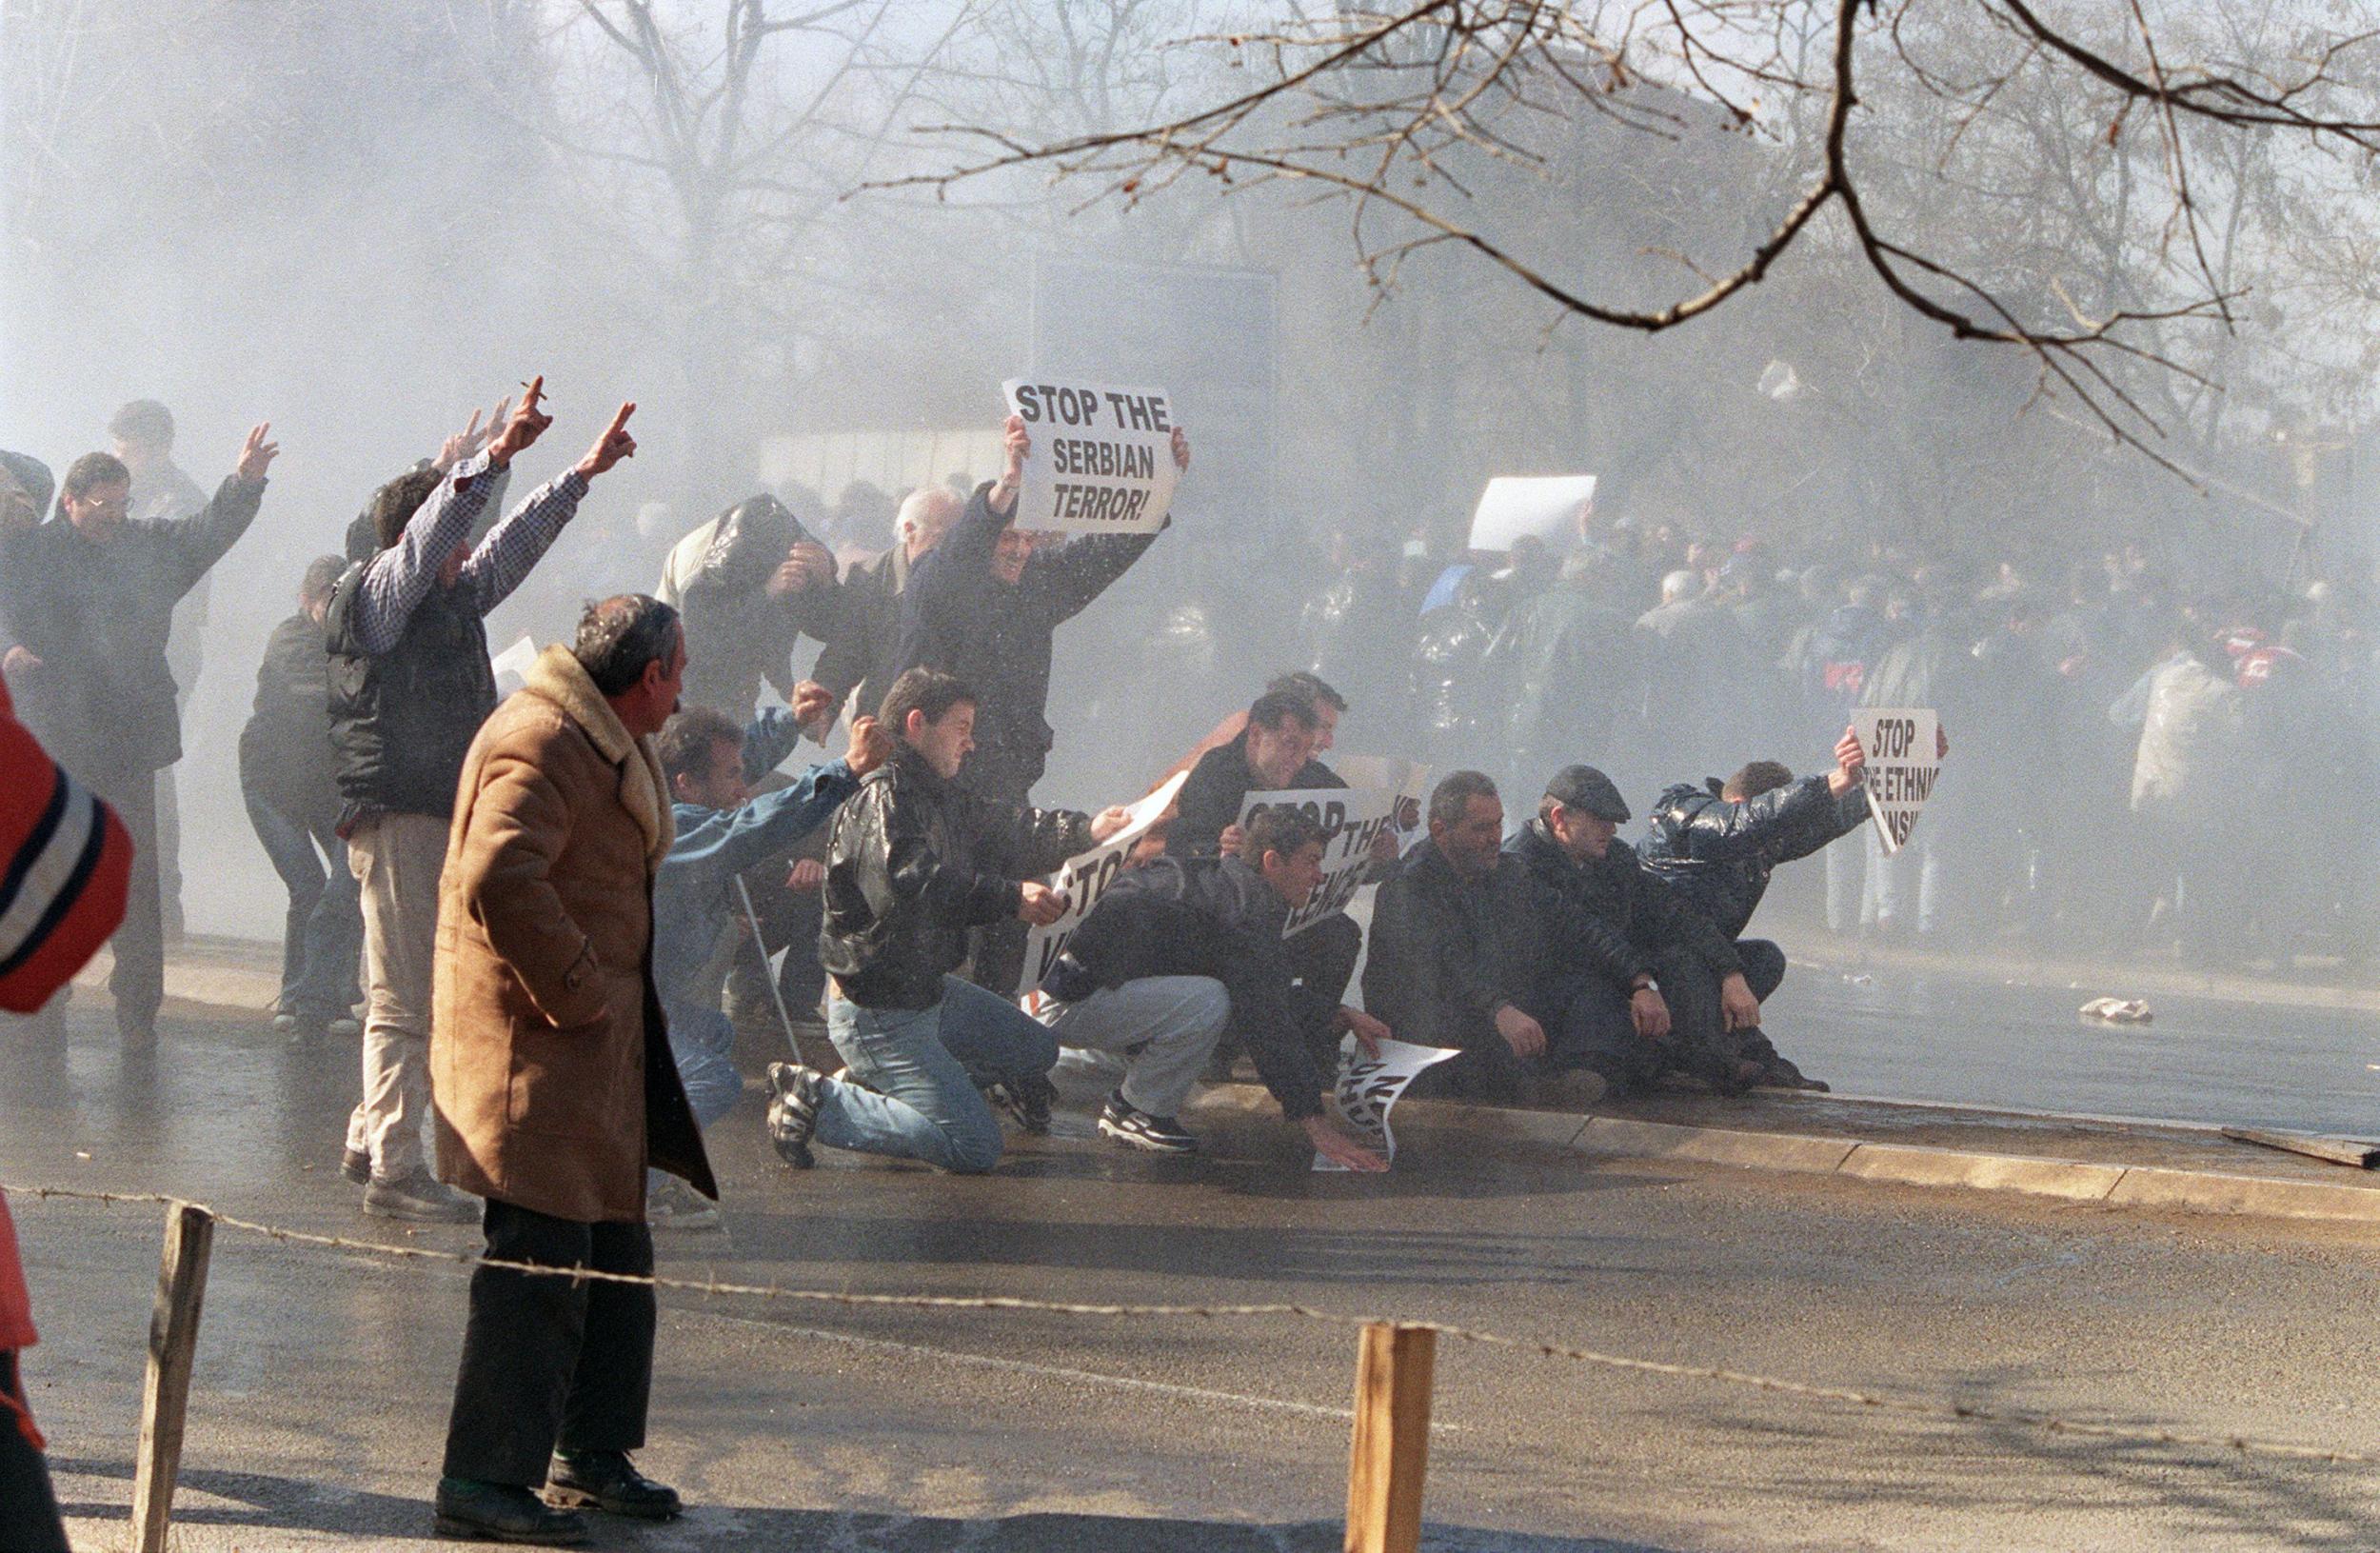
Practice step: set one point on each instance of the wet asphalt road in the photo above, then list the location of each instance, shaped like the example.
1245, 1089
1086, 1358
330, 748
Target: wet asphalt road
1915, 1034
322, 1374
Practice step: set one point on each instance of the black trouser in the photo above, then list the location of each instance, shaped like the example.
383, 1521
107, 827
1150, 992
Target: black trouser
1599, 1027
548, 1363
28, 1511
138, 980
1321, 962
996, 950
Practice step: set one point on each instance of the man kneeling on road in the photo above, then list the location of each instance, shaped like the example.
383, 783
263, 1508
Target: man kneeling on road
709, 763
1660, 989
1177, 951
913, 862
1718, 844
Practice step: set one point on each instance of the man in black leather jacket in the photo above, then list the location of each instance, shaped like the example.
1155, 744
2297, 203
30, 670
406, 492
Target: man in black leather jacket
913, 862
1217, 919
1660, 989
1717, 845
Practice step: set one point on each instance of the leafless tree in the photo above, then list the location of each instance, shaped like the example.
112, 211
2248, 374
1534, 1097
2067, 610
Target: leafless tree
2144, 144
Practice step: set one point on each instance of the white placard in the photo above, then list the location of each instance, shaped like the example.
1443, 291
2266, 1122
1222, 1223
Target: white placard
1102, 457
1351, 819
1086, 878
516, 660
1543, 505
1901, 744
1368, 1086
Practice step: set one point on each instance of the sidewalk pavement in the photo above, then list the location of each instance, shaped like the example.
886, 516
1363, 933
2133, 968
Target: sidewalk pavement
2114, 1161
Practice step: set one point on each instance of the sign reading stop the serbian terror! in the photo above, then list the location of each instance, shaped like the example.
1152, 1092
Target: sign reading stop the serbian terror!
1101, 461
1903, 745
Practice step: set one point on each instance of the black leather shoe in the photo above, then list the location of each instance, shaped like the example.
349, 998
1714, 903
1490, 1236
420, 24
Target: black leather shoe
609, 1480
498, 1512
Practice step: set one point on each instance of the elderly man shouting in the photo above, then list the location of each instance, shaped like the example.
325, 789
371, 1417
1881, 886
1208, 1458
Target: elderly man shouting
553, 1080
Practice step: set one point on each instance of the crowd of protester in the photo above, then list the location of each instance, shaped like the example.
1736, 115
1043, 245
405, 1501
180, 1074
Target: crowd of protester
547, 904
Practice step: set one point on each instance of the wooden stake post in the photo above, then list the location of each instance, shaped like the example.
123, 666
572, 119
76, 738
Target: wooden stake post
1393, 1368
172, 1345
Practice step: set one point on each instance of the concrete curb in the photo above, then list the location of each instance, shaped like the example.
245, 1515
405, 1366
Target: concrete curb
1908, 1164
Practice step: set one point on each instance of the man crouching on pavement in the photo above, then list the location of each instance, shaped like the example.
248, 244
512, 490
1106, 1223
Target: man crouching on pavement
914, 861
553, 1082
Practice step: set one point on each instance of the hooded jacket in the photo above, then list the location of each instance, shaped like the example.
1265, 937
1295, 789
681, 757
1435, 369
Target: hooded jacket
913, 862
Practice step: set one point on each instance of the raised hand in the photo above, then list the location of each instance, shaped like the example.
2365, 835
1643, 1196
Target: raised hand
871, 746
523, 427
256, 454
1016, 442
1181, 449
613, 445
459, 445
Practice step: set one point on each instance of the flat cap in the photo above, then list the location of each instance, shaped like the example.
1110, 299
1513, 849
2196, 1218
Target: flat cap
1584, 786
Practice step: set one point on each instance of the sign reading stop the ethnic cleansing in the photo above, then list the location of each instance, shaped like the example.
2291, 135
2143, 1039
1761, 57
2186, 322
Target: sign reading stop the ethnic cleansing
1102, 457
1904, 757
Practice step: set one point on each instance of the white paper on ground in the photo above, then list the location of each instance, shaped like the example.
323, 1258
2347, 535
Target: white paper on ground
1368, 1087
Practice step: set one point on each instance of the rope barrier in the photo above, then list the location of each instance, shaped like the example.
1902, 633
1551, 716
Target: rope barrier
1904, 1406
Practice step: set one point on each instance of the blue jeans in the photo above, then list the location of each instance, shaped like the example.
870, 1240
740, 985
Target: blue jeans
703, 1043
322, 935
920, 1068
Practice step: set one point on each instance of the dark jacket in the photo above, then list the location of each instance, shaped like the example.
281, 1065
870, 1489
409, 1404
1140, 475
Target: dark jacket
1612, 915
402, 722
1216, 791
98, 616
1571, 662
1836, 658
956, 616
912, 864
1447, 952
865, 639
285, 750
1719, 855
1207, 917
737, 633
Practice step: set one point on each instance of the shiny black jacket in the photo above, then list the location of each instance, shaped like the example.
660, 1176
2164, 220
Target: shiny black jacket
912, 864
737, 634
957, 617
1612, 916
1719, 855
1446, 951
1450, 670
1208, 917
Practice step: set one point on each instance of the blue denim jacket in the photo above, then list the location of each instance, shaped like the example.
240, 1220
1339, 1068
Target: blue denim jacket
694, 894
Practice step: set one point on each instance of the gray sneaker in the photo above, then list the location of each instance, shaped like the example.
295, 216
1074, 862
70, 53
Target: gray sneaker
419, 1198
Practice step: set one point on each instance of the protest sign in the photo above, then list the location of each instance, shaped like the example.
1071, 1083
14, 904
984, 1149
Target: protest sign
1103, 458
1086, 878
1543, 505
1351, 818
1408, 780
1368, 1086
1902, 764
